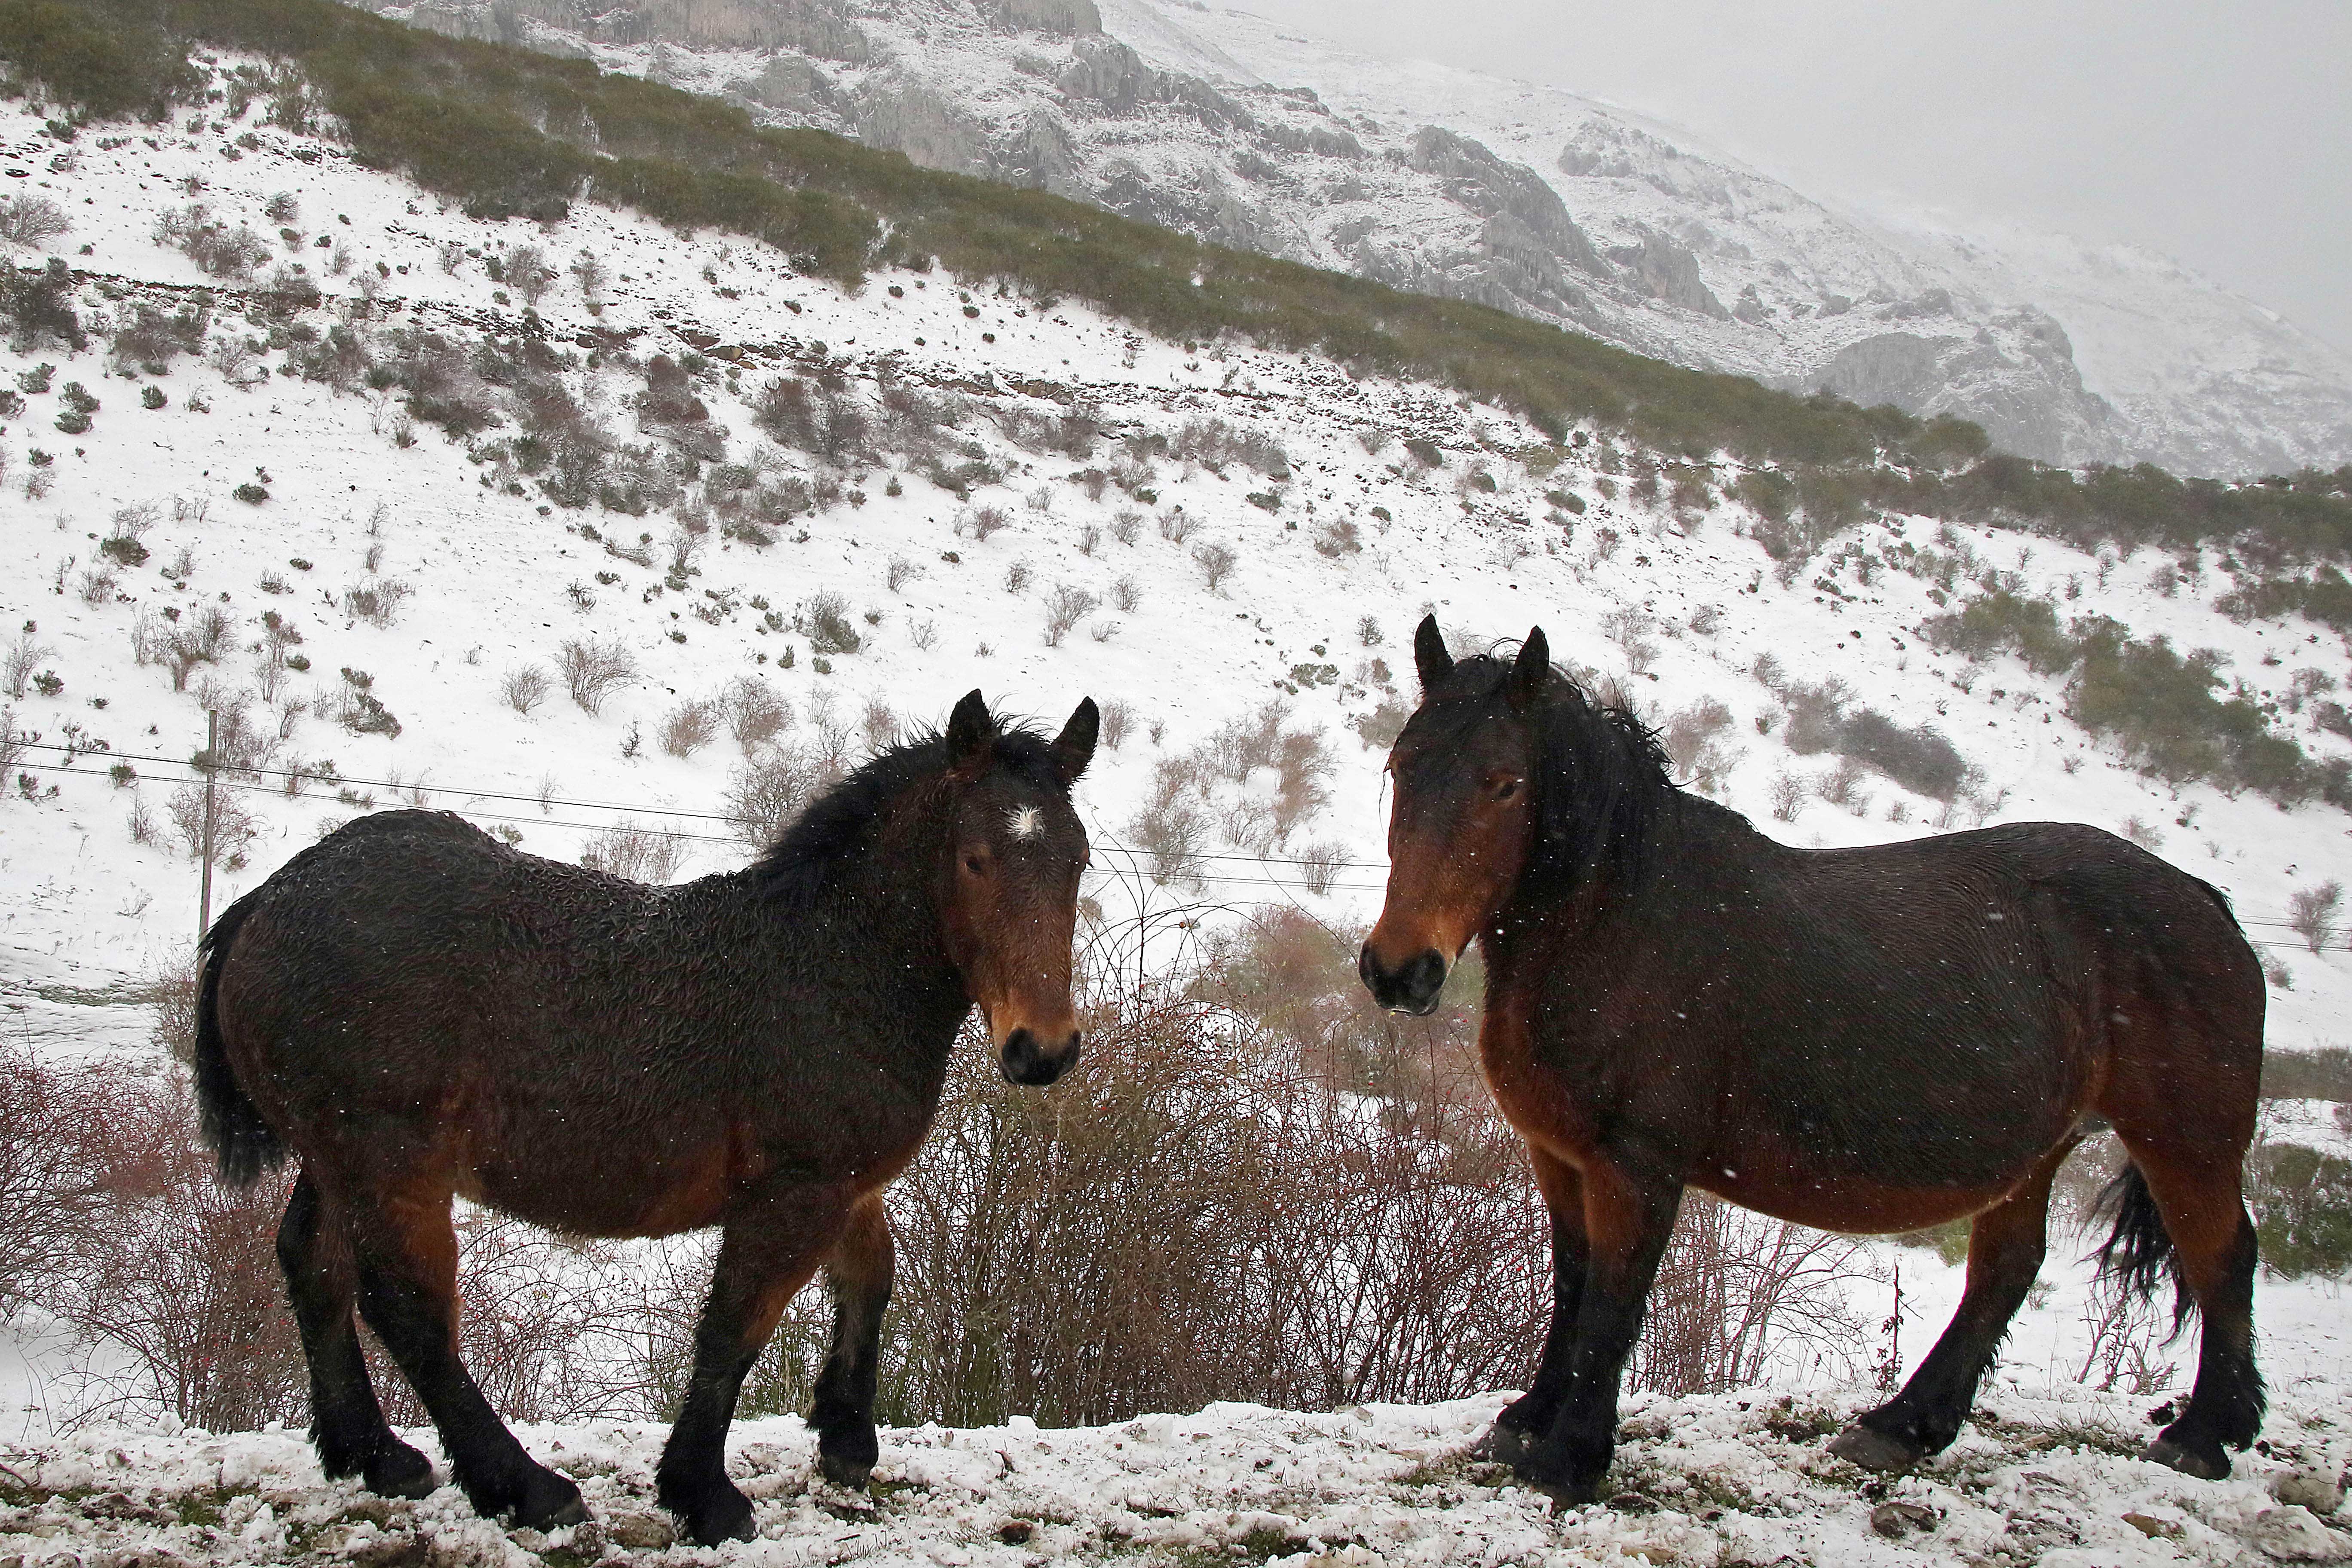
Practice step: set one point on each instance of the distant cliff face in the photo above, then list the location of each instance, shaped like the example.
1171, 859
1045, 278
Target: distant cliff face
1527, 199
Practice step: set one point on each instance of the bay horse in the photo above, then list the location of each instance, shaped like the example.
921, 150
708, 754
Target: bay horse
1868, 1041
418, 1011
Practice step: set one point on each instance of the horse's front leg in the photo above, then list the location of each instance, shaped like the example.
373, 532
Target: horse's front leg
843, 1412
1527, 1419
767, 1252
1629, 1213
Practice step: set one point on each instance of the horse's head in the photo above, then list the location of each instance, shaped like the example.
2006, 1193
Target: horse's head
1460, 829
1008, 883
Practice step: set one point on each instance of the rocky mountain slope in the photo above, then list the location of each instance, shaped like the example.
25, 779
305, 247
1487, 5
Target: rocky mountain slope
1215, 123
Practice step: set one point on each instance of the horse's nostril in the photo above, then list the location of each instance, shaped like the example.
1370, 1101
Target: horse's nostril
1028, 1060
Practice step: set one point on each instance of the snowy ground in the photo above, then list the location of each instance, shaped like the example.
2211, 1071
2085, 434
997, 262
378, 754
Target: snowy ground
87, 911
2042, 1475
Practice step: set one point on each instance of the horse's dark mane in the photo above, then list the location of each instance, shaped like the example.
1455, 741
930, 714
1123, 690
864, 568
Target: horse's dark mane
826, 836
1602, 780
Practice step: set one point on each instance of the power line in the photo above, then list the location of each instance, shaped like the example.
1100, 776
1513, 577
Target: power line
1187, 858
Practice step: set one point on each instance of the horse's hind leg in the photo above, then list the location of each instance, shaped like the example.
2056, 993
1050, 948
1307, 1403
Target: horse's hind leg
843, 1412
764, 1258
2204, 1216
2006, 1246
408, 1288
347, 1424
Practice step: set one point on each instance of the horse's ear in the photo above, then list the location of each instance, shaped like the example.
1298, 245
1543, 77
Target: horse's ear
1525, 683
1429, 655
972, 730
1073, 748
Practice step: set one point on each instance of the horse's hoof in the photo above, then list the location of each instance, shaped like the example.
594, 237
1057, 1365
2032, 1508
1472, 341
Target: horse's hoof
2213, 1465
550, 1502
1548, 1470
844, 1471
1501, 1445
400, 1472
724, 1516
1874, 1449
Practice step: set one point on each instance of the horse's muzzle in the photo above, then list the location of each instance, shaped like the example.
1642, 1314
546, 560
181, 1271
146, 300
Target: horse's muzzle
1030, 1060
1411, 987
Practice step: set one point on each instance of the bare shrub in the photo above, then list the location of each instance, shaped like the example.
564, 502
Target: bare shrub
1170, 832
1017, 577
1177, 525
1302, 762
629, 848
689, 727
766, 792
1693, 743
924, 635
211, 243
879, 723
1125, 524
980, 522
1787, 793
177, 1303
1382, 726
2312, 913
2127, 1333
233, 827
1320, 863
31, 222
525, 688
896, 575
1064, 608
1337, 538
592, 668
50, 1183
378, 602
1118, 719
1127, 594
24, 656
755, 714
1739, 1291
1216, 562
527, 273
1841, 783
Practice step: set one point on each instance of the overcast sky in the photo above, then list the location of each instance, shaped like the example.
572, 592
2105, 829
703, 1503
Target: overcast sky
2217, 134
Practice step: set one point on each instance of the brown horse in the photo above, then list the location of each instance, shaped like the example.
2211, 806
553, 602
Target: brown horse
1868, 1040
418, 1011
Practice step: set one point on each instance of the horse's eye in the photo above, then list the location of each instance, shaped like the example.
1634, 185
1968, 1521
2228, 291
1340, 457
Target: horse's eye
1505, 788
976, 865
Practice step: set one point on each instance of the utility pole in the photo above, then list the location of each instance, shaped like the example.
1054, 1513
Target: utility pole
212, 773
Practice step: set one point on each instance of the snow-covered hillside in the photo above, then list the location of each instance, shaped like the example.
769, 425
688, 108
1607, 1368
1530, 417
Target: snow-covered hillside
279, 516
1213, 120
255, 489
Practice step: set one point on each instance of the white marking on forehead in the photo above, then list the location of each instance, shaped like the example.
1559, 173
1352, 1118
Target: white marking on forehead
1025, 822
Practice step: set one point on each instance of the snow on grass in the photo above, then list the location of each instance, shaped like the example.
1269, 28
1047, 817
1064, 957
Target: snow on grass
2046, 1476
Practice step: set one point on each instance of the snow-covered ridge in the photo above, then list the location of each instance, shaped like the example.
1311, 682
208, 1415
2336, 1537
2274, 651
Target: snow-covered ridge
1211, 121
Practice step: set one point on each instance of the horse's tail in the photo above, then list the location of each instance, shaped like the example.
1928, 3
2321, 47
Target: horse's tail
241, 1141
2139, 1252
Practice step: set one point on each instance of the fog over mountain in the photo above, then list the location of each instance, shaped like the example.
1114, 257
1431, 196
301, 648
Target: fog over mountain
1219, 123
